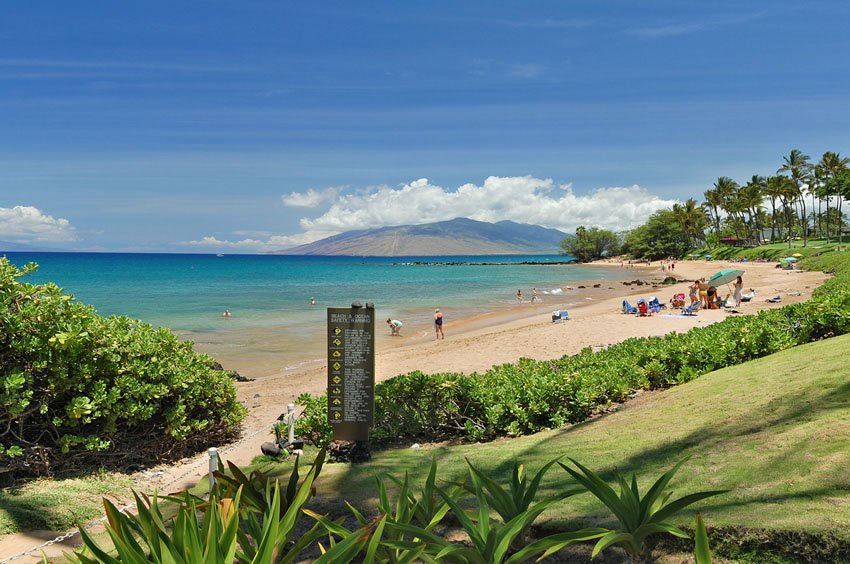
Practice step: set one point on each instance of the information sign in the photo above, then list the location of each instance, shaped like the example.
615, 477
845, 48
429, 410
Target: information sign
351, 372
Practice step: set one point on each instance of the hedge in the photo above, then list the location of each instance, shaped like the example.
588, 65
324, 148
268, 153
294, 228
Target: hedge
530, 395
79, 389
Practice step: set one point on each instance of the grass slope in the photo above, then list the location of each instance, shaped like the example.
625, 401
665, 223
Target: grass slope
774, 431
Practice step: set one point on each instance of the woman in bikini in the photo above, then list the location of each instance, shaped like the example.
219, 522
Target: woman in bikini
693, 290
703, 293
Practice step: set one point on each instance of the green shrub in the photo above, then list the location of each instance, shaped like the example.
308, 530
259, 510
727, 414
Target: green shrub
530, 395
77, 388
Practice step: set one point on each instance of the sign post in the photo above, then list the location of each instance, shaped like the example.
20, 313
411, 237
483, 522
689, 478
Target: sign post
351, 372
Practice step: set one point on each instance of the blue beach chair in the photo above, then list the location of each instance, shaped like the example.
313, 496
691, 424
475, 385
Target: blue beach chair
629, 308
655, 305
560, 315
691, 309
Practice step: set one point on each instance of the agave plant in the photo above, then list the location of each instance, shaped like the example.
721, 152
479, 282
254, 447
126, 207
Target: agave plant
387, 542
253, 528
428, 509
702, 552
639, 516
491, 541
519, 496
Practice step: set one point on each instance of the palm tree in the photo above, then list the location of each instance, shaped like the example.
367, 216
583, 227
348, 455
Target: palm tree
751, 196
798, 165
784, 189
830, 165
713, 200
727, 190
772, 188
691, 217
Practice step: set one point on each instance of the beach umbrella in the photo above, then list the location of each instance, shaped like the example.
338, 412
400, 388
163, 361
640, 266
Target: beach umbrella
725, 277
790, 259
798, 255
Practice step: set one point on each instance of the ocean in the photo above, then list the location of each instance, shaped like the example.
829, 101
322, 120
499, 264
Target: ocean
273, 326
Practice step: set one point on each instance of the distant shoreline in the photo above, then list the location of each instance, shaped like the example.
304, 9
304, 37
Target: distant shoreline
470, 263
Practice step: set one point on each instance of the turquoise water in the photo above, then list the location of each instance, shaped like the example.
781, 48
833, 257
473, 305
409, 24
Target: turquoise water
269, 296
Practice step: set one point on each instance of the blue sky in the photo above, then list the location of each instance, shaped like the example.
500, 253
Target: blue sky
244, 127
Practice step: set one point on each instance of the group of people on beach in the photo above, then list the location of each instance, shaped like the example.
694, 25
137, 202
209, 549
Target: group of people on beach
708, 296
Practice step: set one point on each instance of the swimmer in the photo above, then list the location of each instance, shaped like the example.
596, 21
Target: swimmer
312, 301
226, 313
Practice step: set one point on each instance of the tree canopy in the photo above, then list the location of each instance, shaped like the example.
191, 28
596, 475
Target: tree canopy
590, 244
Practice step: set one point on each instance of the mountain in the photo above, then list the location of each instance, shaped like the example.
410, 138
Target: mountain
459, 236
10, 247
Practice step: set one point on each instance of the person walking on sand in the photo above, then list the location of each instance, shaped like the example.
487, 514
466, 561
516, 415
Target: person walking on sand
738, 287
438, 324
395, 327
519, 296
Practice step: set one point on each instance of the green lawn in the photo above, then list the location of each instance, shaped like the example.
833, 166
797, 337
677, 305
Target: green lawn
774, 431
774, 251
58, 505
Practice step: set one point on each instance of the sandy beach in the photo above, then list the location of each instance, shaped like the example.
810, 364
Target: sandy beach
476, 344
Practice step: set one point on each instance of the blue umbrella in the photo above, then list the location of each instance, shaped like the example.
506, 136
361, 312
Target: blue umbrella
790, 259
725, 277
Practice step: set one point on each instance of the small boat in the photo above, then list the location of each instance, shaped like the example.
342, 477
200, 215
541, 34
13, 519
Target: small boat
219, 255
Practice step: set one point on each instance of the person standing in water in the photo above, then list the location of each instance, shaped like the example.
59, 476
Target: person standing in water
519, 296
438, 324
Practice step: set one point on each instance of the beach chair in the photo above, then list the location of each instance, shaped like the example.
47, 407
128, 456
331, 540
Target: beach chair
643, 308
655, 306
748, 296
560, 315
678, 300
629, 308
691, 309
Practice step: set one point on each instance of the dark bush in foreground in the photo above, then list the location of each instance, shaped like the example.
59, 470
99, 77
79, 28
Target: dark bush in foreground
78, 389
529, 396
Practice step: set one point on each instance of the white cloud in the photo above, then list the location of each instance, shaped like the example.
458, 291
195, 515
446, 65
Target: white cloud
273, 243
311, 198
27, 224
523, 199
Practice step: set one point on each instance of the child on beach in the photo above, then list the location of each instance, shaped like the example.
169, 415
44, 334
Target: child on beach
395, 327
